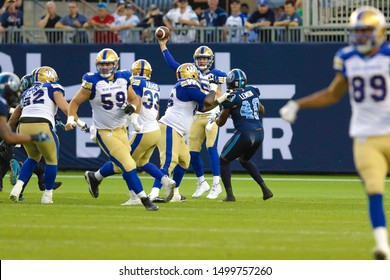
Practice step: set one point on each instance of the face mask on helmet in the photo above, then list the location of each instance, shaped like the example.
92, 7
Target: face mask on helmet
141, 68
367, 28
107, 63
44, 74
236, 79
186, 71
9, 88
206, 53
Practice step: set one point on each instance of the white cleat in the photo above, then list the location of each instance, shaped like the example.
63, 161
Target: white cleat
202, 188
216, 190
132, 202
47, 197
178, 198
169, 187
15, 193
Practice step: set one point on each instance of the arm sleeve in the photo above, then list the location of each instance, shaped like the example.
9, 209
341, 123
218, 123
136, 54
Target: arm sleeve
170, 60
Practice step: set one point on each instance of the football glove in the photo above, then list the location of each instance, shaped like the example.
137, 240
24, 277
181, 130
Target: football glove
40, 137
83, 126
211, 120
129, 109
59, 123
228, 94
213, 82
70, 123
289, 111
133, 119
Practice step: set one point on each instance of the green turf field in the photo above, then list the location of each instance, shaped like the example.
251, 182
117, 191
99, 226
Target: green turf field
309, 218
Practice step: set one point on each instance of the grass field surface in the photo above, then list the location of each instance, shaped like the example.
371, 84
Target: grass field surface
309, 218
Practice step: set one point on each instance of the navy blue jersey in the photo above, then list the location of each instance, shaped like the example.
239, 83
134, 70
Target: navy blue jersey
244, 107
4, 109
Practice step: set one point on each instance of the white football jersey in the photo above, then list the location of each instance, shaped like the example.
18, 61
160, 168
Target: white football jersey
182, 104
150, 99
182, 36
369, 88
107, 99
38, 102
204, 81
235, 35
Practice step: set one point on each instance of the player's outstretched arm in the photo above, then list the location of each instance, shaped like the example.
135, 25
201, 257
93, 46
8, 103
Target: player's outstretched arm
326, 97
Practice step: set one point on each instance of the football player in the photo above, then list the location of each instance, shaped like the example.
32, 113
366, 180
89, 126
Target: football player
363, 70
25, 83
186, 97
9, 97
112, 99
38, 107
181, 17
248, 135
203, 60
145, 140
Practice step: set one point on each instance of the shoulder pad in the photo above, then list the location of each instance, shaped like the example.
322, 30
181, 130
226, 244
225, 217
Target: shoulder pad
86, 85
134, 81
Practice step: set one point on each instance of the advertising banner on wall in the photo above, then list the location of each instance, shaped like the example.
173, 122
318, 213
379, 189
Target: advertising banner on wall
318, 142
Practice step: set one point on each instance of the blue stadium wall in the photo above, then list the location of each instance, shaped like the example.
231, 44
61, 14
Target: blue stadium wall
317, 143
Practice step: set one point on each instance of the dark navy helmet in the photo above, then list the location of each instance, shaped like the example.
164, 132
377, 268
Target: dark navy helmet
236, 78
26, 82
10, 88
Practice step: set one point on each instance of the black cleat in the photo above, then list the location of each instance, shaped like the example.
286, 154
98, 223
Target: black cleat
57, 185
41, 181
229, 199
380, 255
93, 183
267, 194
149, 206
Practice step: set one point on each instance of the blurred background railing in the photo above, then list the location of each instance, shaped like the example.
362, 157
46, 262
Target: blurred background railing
314, 34
323, 21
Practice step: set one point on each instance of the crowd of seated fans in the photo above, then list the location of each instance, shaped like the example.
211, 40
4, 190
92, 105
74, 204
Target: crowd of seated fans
133, 21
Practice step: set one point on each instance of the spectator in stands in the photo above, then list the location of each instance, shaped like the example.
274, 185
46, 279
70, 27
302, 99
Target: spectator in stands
214, 16
103, 20
181, 17
73, 21
153, 18
290, 18
262, 17
51, 20
4, 5
245, 9
120, 9
11, 19
236, 24
125, 23
198, 6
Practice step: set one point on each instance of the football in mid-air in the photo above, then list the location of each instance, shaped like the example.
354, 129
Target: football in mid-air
162, 32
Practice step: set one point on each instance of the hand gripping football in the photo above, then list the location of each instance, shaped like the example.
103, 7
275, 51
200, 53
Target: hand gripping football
162, 32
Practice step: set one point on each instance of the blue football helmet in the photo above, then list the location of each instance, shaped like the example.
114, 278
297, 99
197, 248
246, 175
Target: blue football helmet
10, 88
236, 79
367, 28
